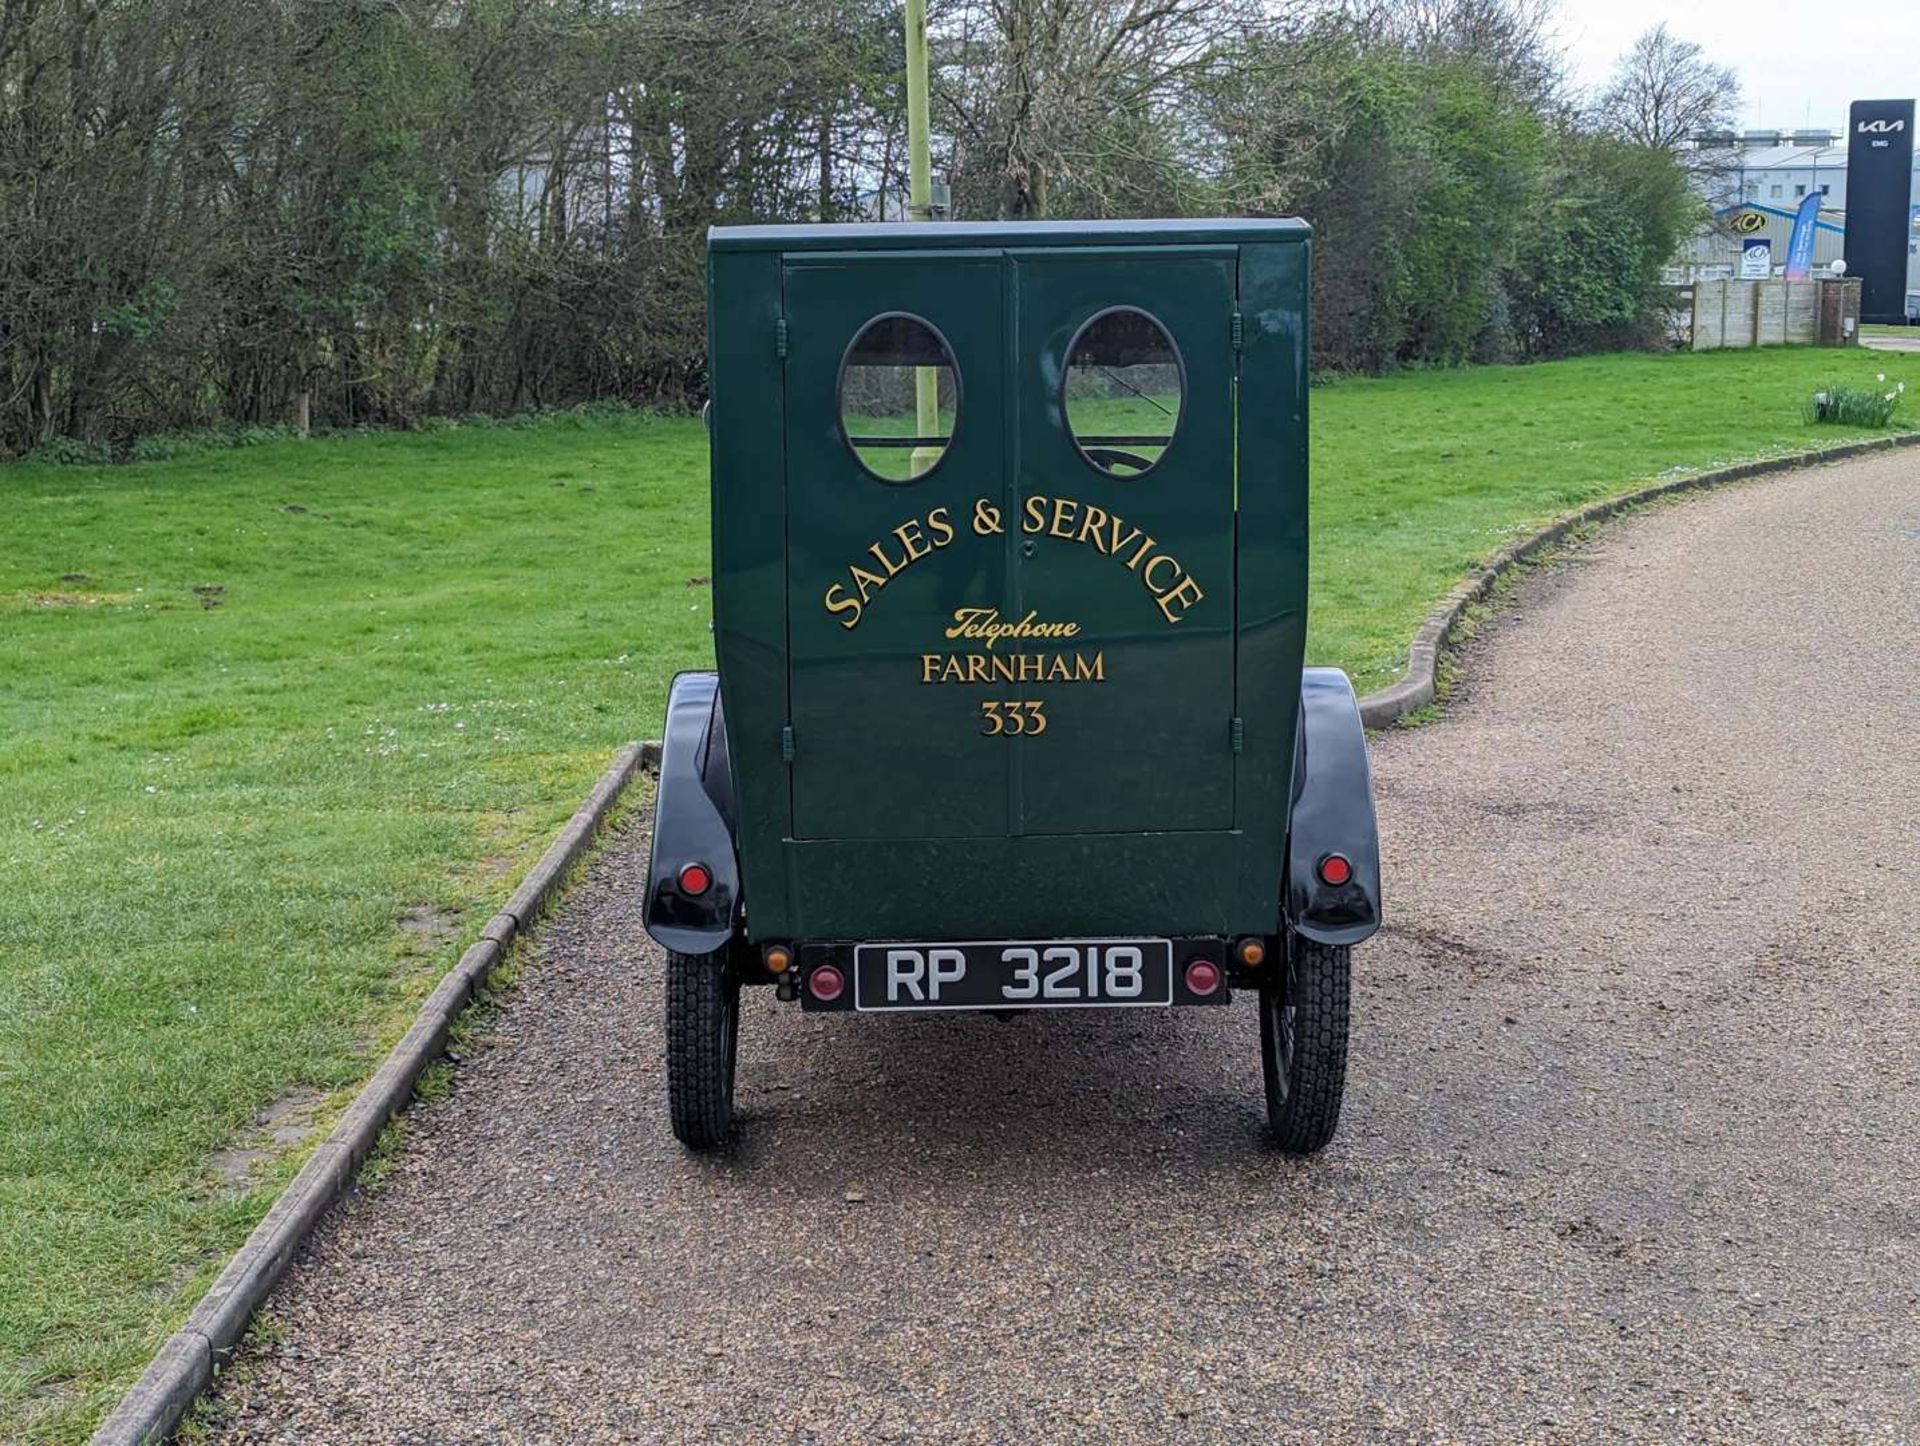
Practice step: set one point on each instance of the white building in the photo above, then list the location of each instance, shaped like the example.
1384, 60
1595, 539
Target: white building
1755, 183
1779, 167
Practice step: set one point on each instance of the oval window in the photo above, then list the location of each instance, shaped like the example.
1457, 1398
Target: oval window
899, 397
1123, 391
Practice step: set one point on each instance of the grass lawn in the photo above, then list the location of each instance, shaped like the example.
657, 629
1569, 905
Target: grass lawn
1418, 477
280, 728
215, 818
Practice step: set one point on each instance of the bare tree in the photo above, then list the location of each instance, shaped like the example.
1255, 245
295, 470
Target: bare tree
227, 212
1064, 107
1508, 40
1665, 91
234, 213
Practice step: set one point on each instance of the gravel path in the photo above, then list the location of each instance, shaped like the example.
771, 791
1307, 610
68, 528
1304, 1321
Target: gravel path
1632, 1145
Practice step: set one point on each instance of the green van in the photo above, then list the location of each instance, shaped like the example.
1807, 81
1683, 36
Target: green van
1010, 599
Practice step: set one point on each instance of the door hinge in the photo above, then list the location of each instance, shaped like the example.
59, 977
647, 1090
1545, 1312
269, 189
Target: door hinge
786, 744
1238, 333
780, 337
1236, 734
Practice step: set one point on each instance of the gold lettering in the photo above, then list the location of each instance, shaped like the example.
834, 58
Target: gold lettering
844, 603
1066, 518
984, 625
1185, 591
965, 618
1091, 525
1147, 576
910, 538
1023, 668
880, 556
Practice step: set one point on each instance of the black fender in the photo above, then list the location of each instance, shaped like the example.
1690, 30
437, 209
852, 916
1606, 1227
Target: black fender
1332, 813
693, 823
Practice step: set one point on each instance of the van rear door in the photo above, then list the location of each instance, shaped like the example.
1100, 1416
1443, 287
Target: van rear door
1124, 379
1010, 597
881, 541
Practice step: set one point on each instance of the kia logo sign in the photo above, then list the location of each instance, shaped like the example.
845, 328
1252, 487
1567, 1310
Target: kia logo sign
1880, 136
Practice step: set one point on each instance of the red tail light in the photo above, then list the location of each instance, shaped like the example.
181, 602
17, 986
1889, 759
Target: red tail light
696, 879
1335, 870
826, 983
1203, 976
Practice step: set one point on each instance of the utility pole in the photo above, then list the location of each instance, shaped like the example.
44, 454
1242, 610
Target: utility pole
919, 165
926, 380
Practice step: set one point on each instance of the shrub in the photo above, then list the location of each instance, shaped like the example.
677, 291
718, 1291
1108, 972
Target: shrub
1587, 276
1851, 406
154, 449
166, 446
607, 409
171, 445
72, 452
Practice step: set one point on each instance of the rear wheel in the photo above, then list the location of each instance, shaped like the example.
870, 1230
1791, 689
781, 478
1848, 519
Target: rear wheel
1303, 1044
703, 1029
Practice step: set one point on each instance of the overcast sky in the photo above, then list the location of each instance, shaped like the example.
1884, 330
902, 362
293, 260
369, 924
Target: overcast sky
1790, 57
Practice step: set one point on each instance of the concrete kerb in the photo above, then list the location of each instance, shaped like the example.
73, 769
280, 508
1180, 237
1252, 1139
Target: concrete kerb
184, 1365
179, 1373
1418, 685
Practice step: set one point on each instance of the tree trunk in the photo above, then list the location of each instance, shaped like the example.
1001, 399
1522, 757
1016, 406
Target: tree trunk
42, 410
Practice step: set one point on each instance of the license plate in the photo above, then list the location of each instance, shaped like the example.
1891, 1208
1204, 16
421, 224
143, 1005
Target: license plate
1011, 974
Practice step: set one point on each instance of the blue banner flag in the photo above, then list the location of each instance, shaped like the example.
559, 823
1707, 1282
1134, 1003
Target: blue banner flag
1800, 246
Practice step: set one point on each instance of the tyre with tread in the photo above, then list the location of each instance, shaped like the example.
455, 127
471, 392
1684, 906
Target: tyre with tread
1303, 1044
703, 1030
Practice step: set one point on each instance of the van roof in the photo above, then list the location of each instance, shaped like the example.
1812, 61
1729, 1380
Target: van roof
899, 235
